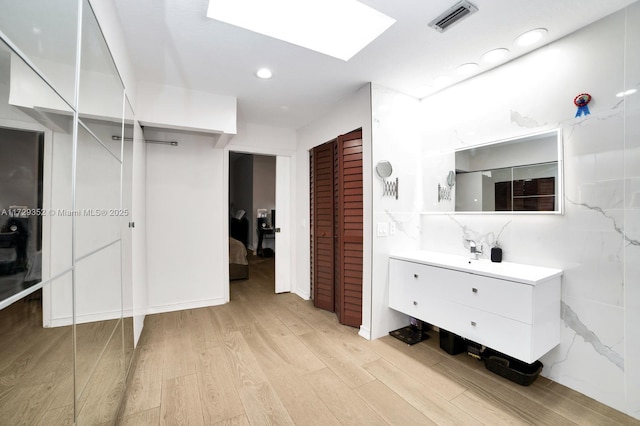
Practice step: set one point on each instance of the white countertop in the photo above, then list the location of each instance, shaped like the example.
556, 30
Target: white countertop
526, 274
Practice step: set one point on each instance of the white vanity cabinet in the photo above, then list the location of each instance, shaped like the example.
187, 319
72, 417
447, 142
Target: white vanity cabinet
514, 309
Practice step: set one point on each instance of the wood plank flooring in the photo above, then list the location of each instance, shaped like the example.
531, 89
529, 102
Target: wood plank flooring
275, 359
37, 369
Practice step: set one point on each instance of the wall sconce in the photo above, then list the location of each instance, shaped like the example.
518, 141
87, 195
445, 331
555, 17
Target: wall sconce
389, 188
443, 192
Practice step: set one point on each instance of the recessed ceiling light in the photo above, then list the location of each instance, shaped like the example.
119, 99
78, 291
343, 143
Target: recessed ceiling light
495, 55
531, 37
467, 69
326, 27
264, 73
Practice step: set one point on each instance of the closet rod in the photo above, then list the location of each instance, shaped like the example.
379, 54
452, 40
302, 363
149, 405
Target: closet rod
172, 143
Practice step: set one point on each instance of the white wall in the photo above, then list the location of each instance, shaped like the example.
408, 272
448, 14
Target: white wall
395, 138
186, 222
173, 107
187, 214
351, 113
261, 139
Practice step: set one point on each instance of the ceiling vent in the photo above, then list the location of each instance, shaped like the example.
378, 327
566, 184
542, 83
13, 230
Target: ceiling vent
453, 15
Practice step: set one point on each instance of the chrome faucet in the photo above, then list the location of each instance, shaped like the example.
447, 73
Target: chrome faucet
474, 249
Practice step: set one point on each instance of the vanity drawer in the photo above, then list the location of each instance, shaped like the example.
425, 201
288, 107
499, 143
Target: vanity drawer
504, 298
505, 335
408, 292
416, 286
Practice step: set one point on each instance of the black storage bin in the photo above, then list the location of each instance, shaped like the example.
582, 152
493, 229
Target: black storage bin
452, 343
474, 350
411, 334
510, 368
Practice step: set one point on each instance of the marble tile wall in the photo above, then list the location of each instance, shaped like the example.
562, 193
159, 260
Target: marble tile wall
395, 138
596, 241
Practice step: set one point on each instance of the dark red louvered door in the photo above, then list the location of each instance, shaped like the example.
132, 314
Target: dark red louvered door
337, 227
322, 228
349, 225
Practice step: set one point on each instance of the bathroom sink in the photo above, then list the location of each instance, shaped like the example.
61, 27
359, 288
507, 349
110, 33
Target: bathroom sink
518, 272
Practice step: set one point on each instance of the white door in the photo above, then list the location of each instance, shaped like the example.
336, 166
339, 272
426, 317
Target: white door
139, 233
283, 225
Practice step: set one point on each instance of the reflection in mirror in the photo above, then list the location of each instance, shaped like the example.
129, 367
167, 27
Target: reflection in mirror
100, 106
35, 173
97, 195
20, 231
46, 32
99, 402
98, 296
127, 255
517, 175
384, 169
36, 364
451, 178
62, 355
98, 309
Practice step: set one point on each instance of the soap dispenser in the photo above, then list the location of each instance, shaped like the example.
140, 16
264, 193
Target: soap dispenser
496, 254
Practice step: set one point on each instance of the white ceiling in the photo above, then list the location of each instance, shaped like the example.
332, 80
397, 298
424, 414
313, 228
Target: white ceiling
173, 42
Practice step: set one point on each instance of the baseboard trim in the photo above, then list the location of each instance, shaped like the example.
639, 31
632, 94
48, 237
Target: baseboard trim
185, 305
302, 295
364, 332
83, 319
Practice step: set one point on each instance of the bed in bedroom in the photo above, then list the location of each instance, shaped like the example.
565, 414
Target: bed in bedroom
238, 263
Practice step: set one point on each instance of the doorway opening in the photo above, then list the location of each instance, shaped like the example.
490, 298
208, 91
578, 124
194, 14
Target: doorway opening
252, 218
21, 174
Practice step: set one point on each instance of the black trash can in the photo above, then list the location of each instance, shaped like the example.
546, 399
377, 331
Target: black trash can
451, 342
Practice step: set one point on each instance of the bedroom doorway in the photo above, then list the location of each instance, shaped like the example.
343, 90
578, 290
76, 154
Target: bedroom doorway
252, 216
21, 198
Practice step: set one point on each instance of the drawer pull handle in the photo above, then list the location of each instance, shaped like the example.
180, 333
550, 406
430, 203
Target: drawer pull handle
415, 303
475, 290
415, 275
473, 323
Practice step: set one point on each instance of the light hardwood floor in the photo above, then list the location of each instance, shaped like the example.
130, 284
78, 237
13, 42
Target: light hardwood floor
37, 369
275, 359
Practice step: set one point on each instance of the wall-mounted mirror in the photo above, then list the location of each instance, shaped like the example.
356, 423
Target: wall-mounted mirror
46, 33
37, 374
519, 175
64, 345
516, 175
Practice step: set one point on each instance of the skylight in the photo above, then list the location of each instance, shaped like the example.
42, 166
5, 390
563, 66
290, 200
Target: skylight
338, 28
